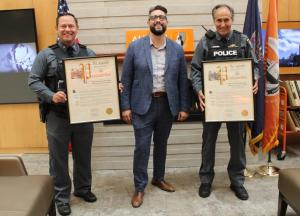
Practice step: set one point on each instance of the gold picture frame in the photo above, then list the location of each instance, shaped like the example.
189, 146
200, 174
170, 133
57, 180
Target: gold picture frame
92, 89
228, 90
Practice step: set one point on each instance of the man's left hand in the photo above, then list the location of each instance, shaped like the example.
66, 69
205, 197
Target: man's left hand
182, 116
120, 87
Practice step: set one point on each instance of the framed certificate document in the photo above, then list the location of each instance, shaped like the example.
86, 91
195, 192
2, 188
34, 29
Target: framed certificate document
92, 89
228, 90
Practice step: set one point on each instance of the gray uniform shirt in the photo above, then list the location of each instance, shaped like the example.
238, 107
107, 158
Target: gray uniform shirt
45, 65
196, 69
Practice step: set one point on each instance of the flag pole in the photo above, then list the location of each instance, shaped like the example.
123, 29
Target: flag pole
269, 169
247, 172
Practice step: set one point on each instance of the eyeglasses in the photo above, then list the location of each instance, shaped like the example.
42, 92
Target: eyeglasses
155, 17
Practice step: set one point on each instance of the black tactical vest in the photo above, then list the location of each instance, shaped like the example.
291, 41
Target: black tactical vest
57, 83
225, 49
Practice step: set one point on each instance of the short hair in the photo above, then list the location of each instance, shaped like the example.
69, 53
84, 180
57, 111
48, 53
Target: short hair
158, 7
220, 6
66, 14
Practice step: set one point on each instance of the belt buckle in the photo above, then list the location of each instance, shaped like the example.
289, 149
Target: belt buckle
155, 94
158, 94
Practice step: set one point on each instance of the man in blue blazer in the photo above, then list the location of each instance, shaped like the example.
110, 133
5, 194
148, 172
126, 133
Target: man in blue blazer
155, 91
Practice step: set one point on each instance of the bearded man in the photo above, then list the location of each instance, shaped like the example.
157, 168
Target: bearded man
155, 90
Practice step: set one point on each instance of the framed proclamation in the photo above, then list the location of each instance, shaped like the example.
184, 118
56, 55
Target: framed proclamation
92, 89
228, 90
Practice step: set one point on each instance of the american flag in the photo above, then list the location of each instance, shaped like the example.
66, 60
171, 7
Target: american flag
62, 7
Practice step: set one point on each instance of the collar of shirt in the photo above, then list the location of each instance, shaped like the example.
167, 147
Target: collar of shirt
74, 46
218, 37
160, 48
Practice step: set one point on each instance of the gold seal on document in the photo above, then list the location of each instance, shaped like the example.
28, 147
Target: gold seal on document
245, 113
109, 111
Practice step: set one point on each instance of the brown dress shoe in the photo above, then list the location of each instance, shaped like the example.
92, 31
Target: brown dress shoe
163, 185
137, 199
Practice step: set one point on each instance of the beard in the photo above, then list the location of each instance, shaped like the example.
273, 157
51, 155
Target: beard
158, 32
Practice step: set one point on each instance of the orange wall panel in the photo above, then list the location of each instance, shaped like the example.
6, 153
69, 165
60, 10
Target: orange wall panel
288, 10
15, 4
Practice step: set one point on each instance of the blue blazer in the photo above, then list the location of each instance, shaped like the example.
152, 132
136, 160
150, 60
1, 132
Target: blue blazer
137, 78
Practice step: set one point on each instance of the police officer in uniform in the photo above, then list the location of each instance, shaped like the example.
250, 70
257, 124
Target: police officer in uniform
47, 80
223, 44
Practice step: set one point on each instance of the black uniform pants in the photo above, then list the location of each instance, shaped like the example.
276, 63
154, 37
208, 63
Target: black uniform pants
60, 133
237, 160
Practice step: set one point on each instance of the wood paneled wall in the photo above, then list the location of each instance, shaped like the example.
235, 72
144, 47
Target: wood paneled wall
20, 127
288, 10
103, 23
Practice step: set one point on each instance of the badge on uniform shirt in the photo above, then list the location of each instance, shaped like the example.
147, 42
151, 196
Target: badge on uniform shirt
232, 45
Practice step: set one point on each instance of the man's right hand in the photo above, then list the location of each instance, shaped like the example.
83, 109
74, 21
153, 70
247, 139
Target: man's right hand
59, 97
201, 98
127, 116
